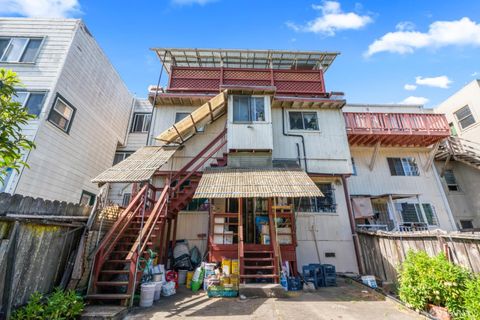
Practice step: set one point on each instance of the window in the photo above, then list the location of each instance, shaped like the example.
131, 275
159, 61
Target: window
120, 156
182, 115
403, 167
453, 130
197, 205
126, 199
464, 117
318, 204
466, 224
19, 49
303, 120
61, 114
354, 167
87, 198
248, 109
32, 100
450, 180
141, 122
411, 213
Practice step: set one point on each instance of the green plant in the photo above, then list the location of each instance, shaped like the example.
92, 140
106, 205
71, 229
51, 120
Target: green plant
471, 298
12, 117
59, 305
432, 280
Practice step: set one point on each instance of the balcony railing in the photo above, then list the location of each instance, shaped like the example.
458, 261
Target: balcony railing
195, 79
429, 128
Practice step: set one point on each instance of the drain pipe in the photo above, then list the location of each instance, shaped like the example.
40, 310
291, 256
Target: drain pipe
356, 243
295, 135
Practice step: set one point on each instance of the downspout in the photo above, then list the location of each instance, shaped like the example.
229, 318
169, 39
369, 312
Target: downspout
356, 243
295, 135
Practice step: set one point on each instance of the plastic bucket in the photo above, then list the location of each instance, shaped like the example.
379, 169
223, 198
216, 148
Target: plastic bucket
147, 294
158, 290
158, 277
182, 276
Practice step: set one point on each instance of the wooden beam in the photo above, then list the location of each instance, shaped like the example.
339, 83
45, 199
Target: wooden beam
445, 165
10, 255
376, 150
431, 156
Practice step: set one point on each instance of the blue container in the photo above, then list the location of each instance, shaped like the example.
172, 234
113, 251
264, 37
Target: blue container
294, 284
329, 269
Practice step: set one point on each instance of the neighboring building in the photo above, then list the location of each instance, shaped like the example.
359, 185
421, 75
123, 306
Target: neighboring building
395, 186
81, 103
458, 159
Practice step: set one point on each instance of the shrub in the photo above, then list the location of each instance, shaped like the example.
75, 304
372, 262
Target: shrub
432, 280
471, 298
59, 305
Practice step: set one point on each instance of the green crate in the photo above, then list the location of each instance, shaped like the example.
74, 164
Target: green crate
221, 292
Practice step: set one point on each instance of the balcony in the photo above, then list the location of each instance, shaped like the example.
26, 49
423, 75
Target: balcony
213, 79
395, 129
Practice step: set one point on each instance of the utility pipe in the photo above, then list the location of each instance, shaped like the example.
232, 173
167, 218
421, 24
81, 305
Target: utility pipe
295, 135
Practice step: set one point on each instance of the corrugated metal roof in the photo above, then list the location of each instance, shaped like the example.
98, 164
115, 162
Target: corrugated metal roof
140, 166
244, 183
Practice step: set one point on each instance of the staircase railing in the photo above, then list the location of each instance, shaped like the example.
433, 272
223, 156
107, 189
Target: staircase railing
117, 230
460, 146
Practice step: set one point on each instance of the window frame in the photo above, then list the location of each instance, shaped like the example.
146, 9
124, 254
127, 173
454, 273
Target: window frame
52, 109
34, 60
250, 98
354, 167
134, 117
459, 121
201, 129
451, 185
29, 93
462, 221
316, 204
403, 162
126, 154
91, 195
303, 121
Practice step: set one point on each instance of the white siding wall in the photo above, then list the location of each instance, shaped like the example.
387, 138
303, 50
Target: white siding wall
327, 149
381, 182
63, 164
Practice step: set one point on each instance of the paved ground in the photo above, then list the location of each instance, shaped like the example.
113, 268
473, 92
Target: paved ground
347, 301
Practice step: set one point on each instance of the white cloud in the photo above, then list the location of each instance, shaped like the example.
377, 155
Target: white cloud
409, 87
40, 8
440, 34
415, 100
474, 74
190, 2
331, 20
436, 82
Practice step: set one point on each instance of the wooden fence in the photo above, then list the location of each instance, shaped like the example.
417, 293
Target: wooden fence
38, 240
382, 252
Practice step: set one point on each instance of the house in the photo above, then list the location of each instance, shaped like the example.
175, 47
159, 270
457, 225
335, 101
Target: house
250, 157
394, 185
81, 104
458, 158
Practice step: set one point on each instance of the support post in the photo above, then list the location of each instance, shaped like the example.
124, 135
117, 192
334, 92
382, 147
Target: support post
240, 237
431, 156
424, 216
394, 212
376, 150
8, 289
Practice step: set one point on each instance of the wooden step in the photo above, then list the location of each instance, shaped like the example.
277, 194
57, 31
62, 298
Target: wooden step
116, 271
112, 283
108, 296
258, 267
257, 259
254, 276
117, 261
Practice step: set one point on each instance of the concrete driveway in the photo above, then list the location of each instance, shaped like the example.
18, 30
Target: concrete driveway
347, 301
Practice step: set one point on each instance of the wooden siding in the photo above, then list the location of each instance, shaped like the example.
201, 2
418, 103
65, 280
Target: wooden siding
63, 164
381, 182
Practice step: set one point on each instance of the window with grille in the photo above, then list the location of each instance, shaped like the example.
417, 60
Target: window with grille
450, 180
87, 198
32, 100
318, 204
466, 224
248, 109
403, 167
18, 49
465, 117
61, 114
411, 213
126, 199
197, 205
141, 122
303, 120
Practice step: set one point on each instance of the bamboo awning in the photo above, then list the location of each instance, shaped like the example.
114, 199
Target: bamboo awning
188, 126
245, 183
140, 166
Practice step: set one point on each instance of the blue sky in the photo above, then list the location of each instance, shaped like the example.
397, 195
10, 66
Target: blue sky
431, 48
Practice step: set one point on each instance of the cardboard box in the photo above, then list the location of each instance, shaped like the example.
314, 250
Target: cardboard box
265, 229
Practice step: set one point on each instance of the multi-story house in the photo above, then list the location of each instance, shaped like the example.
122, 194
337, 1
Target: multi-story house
458, 158
248, 157
395, 185
81, 105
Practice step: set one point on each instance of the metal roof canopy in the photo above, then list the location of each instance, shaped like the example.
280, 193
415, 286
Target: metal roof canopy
237, 58
256, 182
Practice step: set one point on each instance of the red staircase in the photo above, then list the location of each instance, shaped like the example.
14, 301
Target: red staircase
259, 264
146, 224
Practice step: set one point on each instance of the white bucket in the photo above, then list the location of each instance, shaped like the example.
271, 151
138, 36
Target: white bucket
182, 276
147, 294
158, 290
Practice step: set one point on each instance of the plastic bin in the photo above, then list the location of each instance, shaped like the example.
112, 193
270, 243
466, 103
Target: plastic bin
147, 294
294, 283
